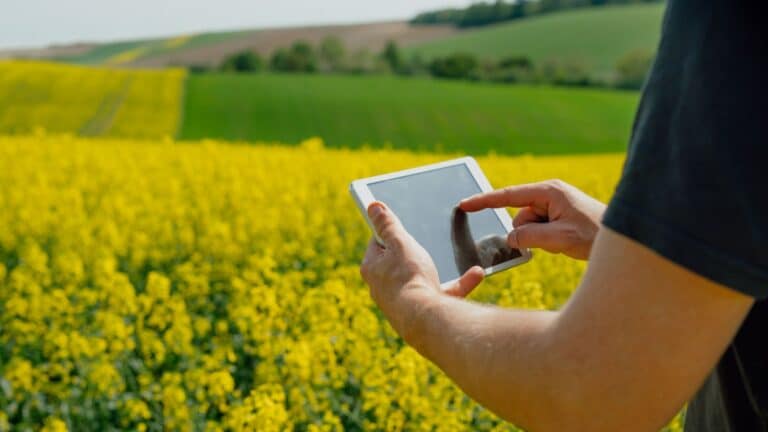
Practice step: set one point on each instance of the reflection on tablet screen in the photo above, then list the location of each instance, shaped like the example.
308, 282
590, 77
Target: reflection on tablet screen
426, 204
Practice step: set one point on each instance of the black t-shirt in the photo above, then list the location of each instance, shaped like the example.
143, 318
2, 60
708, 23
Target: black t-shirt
695, 184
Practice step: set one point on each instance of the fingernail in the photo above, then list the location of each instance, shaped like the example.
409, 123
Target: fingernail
376, 209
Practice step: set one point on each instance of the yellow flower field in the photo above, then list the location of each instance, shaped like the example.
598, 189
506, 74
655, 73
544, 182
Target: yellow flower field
89, 101
213, 286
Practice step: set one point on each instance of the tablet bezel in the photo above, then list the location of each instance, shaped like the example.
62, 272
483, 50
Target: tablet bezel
364, 197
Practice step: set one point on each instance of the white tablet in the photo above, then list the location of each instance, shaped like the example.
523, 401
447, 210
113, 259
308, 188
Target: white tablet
426, 198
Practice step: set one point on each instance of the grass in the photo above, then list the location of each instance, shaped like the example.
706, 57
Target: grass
597, 37
418, 114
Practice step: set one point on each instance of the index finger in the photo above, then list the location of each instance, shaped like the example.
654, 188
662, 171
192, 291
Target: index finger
527, 195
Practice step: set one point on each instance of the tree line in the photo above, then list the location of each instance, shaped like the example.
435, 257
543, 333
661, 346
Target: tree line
331, 56
485, 13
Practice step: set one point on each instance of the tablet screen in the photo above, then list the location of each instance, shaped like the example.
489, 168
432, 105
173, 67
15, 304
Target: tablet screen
426, 204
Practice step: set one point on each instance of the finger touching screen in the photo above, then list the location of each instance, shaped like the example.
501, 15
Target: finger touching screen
426, 203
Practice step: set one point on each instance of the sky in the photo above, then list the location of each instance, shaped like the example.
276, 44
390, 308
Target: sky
37, 23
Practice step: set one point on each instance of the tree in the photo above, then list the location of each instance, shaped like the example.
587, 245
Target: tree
443, 16
511, 70
550, 5
361, 61
632, 68
568, 71
455, 66
416, 65
502, 11
516, 62
244, 61
519, 9
299, 58
479, 14
391, 56
332, 53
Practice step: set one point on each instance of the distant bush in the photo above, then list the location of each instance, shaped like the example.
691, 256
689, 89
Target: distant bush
392, 57
415, 66
244, 61
632, 69
566, 72
455, 66
300, 57
511, 70
332, 54
480, 14
199, 68
516, 62
442, 16
360, 61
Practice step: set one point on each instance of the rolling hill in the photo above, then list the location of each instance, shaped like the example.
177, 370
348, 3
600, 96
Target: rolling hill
210, 49
595, 36
418, 114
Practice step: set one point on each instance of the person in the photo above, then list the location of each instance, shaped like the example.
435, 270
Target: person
672, 307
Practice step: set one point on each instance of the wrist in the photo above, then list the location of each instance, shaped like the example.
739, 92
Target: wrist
417, 305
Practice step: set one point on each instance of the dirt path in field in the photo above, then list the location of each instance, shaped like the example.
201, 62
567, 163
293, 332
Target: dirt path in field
371, 36
102, 120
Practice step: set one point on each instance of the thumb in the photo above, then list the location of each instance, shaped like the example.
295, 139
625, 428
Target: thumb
536, 235
466, 283
386, 223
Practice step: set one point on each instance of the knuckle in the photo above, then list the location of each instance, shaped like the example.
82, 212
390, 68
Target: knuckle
389, 232
555, 184
555, 187
385, 223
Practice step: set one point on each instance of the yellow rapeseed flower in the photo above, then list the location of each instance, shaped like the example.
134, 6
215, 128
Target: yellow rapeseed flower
213, 286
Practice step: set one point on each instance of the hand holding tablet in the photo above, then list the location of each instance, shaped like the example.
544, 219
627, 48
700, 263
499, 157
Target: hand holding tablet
426, 201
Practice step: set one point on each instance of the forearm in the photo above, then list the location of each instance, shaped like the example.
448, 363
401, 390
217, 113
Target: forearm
500, 357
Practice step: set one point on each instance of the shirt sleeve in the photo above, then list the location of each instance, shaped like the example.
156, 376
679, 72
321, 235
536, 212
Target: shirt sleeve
695, 184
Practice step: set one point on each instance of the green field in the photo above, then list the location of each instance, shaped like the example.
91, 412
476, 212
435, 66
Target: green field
594, 36
421, 114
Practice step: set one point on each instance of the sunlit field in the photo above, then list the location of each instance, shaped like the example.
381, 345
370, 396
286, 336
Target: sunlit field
161, 285
151, 284
408, 113
89, 101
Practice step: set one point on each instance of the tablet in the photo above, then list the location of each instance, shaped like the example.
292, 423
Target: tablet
426, 199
